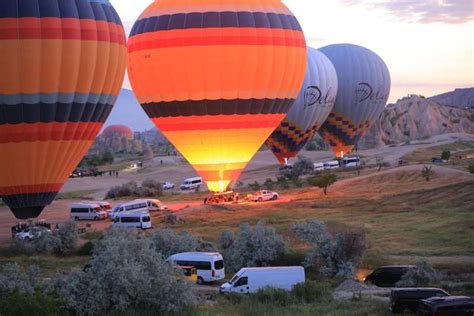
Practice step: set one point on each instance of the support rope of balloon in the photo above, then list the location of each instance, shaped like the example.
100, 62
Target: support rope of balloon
219, 79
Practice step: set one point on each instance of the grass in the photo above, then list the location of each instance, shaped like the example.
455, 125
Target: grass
50, 266
75, 195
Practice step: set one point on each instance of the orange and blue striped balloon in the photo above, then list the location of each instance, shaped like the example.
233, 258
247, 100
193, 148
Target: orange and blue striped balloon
217, 77
62, 67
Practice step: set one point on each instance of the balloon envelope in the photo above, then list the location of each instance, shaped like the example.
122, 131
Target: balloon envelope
63, 63
217, 77
311, 108
364, 88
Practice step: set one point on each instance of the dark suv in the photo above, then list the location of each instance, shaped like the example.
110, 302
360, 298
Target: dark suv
447, 306
388, 276
403, 299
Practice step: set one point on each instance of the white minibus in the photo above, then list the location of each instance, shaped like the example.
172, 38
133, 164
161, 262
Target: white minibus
87, 211
250, 280
133, 206
348, 162
332, 164
154, 205
209, 265
191, 183
133, 220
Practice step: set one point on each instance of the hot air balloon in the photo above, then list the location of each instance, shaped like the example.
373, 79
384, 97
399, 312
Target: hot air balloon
62, 67
364, 88
217, 77
311, 108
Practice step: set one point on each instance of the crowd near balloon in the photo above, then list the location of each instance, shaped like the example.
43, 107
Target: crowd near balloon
219, 79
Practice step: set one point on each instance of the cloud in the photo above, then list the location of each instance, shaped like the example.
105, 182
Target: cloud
424, 11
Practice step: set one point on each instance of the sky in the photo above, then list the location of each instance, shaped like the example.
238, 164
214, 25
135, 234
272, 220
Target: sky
427, 44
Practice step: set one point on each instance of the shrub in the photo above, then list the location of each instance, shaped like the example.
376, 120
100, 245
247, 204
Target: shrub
283, 182
149, 188
427, 173
254, 186
36, 303
334, 256
14, 279
425, 275
301, 167
471, 168
311, 291
297, 182
67, 236
445, 155
86, 249
125, 272
171, 218
251, 247
268, 184
45, 242
271, 295
323, 181
167, 242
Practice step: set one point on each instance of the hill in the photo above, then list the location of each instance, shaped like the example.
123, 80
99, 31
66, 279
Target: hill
417, 118
461, 98
127, 111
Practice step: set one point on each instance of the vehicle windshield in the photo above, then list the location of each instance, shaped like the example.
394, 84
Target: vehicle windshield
145, 219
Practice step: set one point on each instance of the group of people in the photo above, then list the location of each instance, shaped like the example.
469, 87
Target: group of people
113, 173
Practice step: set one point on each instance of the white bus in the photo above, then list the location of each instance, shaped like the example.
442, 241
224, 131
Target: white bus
250, 280
353, 161
209, 265
87, 211
332, 164
133, 206
154, 205
191, 183
133, 220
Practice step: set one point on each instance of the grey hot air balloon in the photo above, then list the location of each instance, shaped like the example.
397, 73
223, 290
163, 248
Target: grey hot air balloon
311, 108
364, 88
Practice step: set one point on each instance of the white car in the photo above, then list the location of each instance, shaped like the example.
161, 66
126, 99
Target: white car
31, 233
263, 195
168, 185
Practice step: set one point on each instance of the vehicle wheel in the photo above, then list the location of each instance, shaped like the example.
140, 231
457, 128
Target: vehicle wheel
76, 218
259, 200
200, 281
275, 197
96, 218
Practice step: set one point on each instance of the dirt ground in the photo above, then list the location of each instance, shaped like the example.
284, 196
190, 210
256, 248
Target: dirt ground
263, 166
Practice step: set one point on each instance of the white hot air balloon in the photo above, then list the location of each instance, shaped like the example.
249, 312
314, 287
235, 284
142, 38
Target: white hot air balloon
364, 88
311, 108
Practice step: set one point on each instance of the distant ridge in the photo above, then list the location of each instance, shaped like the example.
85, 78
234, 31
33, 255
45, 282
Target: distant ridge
460, 98
127, 111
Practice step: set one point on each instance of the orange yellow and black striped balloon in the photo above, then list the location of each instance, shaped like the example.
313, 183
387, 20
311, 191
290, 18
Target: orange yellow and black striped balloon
217, 77
62, 67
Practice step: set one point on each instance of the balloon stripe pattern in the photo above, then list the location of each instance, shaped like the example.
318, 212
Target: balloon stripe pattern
63, 67
312, 106
217, 77
364, 88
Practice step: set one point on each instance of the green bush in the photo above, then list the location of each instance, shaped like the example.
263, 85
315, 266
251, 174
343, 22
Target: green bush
471, 168
270, 295
311, 291
268, 184
37, 303
283, 182
254, 186
86, 249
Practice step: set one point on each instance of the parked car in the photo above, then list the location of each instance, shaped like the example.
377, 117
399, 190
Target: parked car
191, 183
209, 265
350, 161
447, 306
31, 233
263, 195
168, 185
133, 206
388, 276
250, 280
403, 299
318, 166
87, 211
332, 164
437, 160
137, 219
154, 205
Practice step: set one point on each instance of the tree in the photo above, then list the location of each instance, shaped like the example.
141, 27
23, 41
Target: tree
427, 173
147, 151
337, 255
471, 168
107, 158
251, 247
445, 155
302, 167
125, 273
381, 163
323, 181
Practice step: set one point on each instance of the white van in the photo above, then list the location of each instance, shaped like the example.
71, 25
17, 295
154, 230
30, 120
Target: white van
250, 280
133, 220
105, 206
87, 211
191, 183
154, 205
353, 161
133, 206
318, 166
332, 164
209, 265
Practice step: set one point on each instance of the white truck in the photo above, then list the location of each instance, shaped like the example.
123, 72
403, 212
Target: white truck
263, 195
250, 280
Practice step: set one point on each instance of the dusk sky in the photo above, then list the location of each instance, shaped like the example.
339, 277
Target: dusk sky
427, 44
